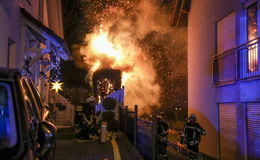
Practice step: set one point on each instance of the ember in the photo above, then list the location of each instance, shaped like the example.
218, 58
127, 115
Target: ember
119, 41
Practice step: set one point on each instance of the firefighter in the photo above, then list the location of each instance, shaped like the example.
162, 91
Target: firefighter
88, 127
162, 137
191, 135
109, 117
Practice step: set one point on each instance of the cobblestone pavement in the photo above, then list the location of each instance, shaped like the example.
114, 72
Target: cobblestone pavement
127, 150
67, 149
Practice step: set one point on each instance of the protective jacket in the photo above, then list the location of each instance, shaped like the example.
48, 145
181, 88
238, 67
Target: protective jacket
192, 133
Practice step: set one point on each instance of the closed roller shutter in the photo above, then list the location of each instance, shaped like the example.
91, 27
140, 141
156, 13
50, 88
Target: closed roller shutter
228, 131
253, 131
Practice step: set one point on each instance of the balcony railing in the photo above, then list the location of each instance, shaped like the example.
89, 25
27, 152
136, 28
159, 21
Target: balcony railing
239, 63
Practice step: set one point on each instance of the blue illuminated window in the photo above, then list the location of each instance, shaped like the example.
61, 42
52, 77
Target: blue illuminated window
8, 134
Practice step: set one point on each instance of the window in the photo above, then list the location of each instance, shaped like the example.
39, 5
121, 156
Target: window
30, 99
37, 97
226, 33
8, 134
228, 131
252, 35
224, 64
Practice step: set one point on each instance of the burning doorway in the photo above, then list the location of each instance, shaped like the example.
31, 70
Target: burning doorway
106, 81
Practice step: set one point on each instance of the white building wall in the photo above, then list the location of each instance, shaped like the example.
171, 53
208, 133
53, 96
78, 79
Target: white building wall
9, 28
201, 47
55, 16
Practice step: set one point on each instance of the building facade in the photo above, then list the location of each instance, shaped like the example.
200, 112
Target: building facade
224, 76
31, 39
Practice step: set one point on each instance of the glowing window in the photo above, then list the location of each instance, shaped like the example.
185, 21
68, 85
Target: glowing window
252, 35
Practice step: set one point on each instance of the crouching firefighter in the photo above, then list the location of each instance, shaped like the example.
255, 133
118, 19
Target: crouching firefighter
191, 135
89, 131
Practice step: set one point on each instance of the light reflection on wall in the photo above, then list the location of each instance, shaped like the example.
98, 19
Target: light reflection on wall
252, 34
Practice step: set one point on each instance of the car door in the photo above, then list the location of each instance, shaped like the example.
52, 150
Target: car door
10, 134
40, 104
32, 112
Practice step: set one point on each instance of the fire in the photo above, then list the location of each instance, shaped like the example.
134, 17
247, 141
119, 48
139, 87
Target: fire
134, 37
101, 45
119, 51
125, 77
95, 66
115, 44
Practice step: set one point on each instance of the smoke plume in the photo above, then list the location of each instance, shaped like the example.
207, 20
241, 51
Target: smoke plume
119, 41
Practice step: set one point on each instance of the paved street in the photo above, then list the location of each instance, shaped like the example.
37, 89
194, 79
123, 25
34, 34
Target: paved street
67, 149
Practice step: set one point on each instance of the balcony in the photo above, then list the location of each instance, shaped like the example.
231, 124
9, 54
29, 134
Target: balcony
239, 63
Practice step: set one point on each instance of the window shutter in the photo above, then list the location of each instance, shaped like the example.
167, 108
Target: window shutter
253, 131
228, 131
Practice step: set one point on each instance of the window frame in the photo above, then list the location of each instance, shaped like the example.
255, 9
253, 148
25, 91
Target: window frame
247, 36
17, 150
37, 97
11, 112
33, 126
216, 31
31, 96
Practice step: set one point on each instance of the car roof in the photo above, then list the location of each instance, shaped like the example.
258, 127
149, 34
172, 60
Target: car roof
8, 73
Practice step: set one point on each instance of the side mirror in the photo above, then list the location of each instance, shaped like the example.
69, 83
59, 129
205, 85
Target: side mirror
46, 137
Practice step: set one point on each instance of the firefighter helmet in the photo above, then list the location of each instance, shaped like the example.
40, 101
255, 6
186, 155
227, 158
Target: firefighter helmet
90, 99
192, 116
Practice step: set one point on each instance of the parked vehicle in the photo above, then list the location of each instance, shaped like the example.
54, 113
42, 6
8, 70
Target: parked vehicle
25, 133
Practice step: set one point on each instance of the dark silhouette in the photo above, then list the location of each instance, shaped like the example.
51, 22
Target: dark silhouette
162, 134
192, 135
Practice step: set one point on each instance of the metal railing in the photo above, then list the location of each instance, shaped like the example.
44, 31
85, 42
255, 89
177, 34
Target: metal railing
145, 139
143, 134
236, 64
128, 123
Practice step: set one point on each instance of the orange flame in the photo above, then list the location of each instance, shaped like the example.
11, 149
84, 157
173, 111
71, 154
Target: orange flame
119, 51
101, 45
100, 48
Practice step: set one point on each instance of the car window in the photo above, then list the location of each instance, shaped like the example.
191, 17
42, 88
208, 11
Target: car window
31, 112
30, 98
8, 133
37, 96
